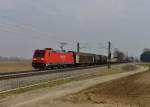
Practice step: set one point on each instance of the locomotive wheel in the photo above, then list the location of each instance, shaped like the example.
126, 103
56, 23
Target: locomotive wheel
62, 66
52, 67
44, 68
59, 66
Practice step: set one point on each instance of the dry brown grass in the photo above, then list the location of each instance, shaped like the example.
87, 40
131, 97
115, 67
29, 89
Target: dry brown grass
15, 66
129, 90
129, 67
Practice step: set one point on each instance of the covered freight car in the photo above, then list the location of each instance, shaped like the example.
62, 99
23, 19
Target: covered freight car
100, 59
90, 59
85, 58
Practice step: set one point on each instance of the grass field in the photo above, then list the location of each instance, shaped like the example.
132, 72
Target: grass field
86, 96
132, 90
15, 66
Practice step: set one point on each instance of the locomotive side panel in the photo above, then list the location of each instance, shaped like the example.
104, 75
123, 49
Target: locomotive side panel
61, 58
44, 59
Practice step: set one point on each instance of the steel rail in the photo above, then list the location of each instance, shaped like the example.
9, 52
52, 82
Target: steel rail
12, 75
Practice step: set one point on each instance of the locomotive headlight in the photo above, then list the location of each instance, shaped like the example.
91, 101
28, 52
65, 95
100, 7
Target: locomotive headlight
42, 58
34, 59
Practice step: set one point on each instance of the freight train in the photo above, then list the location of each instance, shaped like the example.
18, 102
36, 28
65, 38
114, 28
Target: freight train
49, 59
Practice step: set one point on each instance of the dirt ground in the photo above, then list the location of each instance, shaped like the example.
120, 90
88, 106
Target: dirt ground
103, 95
15, 66
133, 90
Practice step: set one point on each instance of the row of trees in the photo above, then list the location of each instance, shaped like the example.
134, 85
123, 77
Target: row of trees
9, 58
122, 57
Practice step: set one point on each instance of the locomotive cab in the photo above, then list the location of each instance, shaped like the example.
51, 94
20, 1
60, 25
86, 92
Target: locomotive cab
40, 59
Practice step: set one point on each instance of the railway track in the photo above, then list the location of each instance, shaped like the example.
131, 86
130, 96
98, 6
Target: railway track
12, 75
13, 81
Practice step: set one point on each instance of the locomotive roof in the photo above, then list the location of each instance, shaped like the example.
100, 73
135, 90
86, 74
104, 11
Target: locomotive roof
80, 53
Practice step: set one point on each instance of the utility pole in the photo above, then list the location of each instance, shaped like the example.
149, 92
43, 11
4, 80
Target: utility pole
109, 55
78, 47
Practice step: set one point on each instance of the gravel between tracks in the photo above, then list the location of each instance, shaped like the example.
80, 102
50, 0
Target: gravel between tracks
14, 83
47, 97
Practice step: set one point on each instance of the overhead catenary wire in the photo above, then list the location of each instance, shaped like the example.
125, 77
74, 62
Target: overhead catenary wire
41, 35
19, 25
36, 34
84, 45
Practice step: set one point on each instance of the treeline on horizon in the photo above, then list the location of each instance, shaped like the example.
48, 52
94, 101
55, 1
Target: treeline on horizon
10, 58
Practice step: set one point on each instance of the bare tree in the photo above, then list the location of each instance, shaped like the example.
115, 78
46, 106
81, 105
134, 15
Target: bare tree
119, 55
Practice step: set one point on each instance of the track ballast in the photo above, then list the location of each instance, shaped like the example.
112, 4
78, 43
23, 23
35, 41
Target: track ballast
12, 75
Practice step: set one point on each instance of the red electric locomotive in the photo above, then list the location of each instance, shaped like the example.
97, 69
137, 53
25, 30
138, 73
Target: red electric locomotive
48, 58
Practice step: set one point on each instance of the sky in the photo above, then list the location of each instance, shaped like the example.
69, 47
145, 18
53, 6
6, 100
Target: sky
26, 25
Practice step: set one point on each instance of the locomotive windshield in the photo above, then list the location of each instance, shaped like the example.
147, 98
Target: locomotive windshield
39, 54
